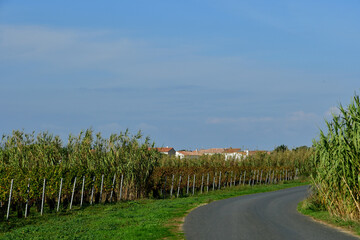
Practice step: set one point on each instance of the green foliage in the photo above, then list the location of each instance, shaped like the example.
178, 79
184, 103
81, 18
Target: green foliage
312, 208
337, 163
29, 159
281, 148
300, 158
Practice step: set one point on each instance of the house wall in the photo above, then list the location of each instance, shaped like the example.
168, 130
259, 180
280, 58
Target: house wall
236, 156
179, 155
172, 152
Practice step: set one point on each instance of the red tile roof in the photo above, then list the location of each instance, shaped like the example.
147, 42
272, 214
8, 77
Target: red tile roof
233, 150
211, 150
164, 149
186, 153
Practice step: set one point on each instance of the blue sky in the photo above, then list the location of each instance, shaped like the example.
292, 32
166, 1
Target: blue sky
190, 74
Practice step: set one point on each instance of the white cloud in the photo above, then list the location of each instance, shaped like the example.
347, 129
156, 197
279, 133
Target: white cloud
302, 116
73, 49
290, 119
54, 51
332, 111
239, 120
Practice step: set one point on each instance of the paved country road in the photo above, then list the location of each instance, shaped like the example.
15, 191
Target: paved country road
270, 215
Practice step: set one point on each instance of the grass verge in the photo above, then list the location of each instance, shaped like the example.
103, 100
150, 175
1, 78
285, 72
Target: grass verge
319, 214
142, 219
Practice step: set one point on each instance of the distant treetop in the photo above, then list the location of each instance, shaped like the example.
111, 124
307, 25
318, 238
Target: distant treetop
281, 148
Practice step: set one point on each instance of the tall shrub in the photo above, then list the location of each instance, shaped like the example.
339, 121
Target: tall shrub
337, 162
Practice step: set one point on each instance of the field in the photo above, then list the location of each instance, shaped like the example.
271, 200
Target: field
139, 219
41, 175
121, 186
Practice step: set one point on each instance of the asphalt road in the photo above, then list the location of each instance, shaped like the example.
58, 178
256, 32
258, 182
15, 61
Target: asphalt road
270, 215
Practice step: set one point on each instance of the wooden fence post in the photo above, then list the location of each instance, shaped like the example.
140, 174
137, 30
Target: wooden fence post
207, 183
27, 199
9, 203
43, 197
92, 191
59, 197
219, 186
72, 194
82, 191
214, 182
178, 191
202, 183
266, 178
269, 178
101, 188
254, 177
226, 183
187, 187
112, 187
121, 185
172, 185
250, 177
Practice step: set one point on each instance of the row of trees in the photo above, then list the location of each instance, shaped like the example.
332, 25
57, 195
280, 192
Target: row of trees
122, 166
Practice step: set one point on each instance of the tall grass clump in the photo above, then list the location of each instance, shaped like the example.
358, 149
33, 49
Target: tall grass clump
29, 159
337, 163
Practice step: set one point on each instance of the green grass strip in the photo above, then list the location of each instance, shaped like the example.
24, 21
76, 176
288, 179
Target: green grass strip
307, 208
141, 219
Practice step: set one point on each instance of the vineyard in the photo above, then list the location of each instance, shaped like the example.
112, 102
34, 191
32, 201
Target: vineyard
39, 174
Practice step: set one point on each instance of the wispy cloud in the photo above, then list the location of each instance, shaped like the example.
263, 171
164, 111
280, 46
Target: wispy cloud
293, 117
302, 116
176, 88
139, 83
239, 120
72, 48
129, 61
332, 111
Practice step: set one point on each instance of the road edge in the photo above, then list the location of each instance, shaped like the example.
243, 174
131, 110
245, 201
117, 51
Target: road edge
327, 223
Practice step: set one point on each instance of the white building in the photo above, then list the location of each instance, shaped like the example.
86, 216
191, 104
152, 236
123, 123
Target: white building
235, 153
